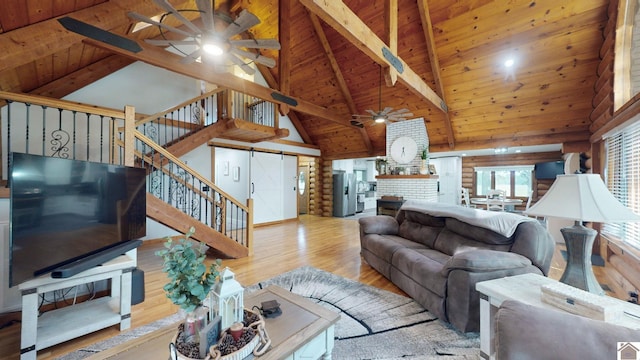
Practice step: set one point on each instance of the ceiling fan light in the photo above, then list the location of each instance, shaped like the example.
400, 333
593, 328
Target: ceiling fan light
213, 49
379, 118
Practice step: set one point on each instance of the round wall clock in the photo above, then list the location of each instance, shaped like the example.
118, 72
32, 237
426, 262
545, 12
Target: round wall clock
404, 150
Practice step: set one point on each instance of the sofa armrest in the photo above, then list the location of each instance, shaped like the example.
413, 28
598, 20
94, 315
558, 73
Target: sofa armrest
527, 332
379, 224
483, 260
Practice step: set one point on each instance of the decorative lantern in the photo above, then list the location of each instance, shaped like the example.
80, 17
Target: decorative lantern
226, 299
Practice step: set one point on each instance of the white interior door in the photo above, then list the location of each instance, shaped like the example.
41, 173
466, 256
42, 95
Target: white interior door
290, 187
266, 187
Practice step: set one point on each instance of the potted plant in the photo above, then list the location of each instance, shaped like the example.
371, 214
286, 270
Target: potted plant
424, 154
189, 283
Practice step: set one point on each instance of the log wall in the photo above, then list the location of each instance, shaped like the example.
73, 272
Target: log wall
540, 187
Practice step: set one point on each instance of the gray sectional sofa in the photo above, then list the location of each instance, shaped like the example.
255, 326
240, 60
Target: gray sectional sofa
437, 253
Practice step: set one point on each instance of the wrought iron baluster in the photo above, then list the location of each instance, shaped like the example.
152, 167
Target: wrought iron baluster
27, 126
44, 137
73, 142
60, 140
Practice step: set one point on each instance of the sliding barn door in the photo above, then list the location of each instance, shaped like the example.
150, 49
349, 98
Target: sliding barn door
266, 187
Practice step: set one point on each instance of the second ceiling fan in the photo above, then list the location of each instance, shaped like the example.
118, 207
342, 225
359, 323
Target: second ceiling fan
382, 115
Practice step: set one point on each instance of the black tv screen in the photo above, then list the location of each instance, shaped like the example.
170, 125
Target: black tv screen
64, 210
549, 170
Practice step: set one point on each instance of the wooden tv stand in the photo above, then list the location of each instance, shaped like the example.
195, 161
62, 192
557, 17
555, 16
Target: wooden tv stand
56, 326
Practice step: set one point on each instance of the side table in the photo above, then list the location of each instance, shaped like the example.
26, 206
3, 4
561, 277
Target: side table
526, 289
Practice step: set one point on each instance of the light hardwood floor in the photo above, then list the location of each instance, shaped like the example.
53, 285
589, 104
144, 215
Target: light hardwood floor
330, 244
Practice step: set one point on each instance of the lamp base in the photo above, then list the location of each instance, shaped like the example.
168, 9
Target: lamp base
579, 273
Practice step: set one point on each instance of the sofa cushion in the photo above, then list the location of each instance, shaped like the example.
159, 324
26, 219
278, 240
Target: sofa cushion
482, 260
477, 233
422, 218
384, 246
424, 266
450, 242
418, 232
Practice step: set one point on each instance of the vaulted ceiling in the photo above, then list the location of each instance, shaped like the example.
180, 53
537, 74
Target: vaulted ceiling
452, 54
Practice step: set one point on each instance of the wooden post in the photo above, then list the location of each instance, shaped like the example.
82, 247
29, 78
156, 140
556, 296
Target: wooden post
129, 136
250, 226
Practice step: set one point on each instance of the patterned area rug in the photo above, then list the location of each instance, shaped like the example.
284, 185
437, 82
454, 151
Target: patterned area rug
374, 323
377, 324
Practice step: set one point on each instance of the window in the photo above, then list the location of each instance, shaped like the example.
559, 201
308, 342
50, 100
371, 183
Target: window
516, 181
622, 175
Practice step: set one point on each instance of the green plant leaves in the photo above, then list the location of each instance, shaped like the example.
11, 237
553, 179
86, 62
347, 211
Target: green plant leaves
184, 264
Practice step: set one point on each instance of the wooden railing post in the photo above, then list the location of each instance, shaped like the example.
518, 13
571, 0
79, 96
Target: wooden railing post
129, 135
249, 234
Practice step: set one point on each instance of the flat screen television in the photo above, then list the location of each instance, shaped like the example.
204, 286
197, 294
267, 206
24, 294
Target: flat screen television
70, 215
549, 170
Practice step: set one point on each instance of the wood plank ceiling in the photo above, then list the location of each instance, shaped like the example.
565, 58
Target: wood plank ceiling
546, 98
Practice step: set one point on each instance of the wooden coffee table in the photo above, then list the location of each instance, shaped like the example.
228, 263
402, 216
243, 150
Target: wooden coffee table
304, 329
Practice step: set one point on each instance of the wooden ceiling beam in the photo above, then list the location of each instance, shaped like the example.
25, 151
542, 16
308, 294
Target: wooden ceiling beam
342, 84
346, 23
284, 58
391, 33
23, 45
271, 81
166, 60
427, 28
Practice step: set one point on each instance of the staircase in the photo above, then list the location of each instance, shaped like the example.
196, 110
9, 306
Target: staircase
177, 196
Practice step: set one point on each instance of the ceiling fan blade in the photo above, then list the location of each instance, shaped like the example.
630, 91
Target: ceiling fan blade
266, 61
139, 17
191, 58
360, 116
401, 111
373, 113
243, 22
245, 67
170, 42
257, 43
164, 4
386, 110
207, 13
404, 115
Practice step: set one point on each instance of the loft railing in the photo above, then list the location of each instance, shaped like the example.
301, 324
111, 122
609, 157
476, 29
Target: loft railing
253, 109
57, 128
172, 125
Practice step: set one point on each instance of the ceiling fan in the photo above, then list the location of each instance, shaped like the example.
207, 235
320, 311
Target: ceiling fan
213, 43
385, 115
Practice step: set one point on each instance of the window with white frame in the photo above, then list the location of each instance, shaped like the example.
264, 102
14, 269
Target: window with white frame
622, 175
516, 181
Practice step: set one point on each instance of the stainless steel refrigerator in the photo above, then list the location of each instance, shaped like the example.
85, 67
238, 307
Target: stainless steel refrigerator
344, 194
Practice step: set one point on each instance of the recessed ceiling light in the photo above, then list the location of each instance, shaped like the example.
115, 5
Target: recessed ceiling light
509, 62
518, 150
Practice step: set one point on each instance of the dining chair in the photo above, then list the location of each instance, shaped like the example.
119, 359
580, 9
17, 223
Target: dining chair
464, 198
495, 200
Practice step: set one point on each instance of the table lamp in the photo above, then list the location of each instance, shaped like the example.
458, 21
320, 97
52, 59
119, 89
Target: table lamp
581, 197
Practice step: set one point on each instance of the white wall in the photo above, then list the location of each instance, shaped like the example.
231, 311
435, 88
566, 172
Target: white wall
148, 88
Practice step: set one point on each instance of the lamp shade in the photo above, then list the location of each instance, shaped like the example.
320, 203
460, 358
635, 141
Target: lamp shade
581, 197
